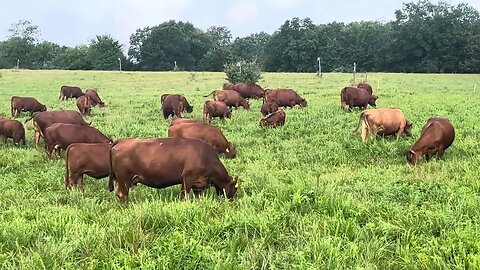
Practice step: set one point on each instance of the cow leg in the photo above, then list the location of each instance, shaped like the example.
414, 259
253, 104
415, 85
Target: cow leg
440, 153
79, 182
399, 133
186, 187
364, 131
37, 137
48, 150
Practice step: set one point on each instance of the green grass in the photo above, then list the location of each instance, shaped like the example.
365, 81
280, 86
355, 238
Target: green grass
311, 195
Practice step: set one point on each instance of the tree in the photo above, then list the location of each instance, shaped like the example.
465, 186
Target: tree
243, 71
251, 47
24, 29
220, 36
104, 52
220, 51
76, 58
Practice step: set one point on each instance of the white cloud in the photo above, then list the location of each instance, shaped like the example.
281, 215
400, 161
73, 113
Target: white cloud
242, 13
282, 4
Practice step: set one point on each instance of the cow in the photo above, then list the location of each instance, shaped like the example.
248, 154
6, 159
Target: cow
84, 105
25, 104
230, 97
246, 90
274, 119
60, 136
437, 135
284, 98
215, 109
268, 108
174, 105
206, 132
95, 99
67, 92
158, 163
366, 86
12, 129
183, 120
356, 97
86, 158
42, 119
384, 121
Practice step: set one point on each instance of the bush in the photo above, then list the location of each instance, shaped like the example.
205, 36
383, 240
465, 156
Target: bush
243, 71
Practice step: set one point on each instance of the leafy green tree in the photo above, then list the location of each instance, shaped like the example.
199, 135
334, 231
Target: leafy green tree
76, 58
243, 71
104, 52
220, 49
251, 47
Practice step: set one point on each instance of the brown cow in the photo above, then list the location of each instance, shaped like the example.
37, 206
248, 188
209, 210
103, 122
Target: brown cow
12, 129
366, 86
205, 132
174, 105
86, 158
274, 119
25, 104
60, 136
246, 90
42, 119
268, 108
84, 105
284, 98
95, 99
230, 97
356, 97
384, 121
67, 92
215, 109
437, 135
158, 163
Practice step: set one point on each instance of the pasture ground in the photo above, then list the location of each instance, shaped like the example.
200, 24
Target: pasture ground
311, 195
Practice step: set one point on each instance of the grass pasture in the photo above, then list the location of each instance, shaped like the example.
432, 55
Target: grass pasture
311, 195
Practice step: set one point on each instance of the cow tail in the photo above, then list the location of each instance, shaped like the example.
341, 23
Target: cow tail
111, 173
67, 170
28, 119
210, 93
362, 115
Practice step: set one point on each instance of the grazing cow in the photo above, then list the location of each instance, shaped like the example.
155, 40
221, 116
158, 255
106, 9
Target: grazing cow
384, 121
366, 86
42, 119
25, 104
67, 92
174, 105
284, 98
356, 97
437, 135
60, 136
86, 158
12, 129
230, 97
158, 163
84, 105
268, 108
215, 109
183, 120
95, 99
274, 119
205, 132
246, 90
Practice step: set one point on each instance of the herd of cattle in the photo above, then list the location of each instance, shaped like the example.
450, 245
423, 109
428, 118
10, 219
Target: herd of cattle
189, 155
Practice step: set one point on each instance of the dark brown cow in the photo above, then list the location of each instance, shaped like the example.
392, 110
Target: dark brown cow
246, 90
95, 99
158, 163
284, 98
366, 86
42, 119
268, 108
25, 104
67, 92
205, 132
274, 119
215, 109
174, 105
356, 97
86, 158
84, 105
60, 136
230, 97
12, 129
437, 135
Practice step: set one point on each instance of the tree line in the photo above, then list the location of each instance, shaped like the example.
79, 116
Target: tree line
424, 37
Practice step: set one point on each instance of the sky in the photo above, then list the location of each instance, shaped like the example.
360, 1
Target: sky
70, 22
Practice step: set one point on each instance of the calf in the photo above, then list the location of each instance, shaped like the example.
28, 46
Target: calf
95, 99
437, 135
268, 108
274, 119
86, 158
12, 129
84, 105
215, 109
356, 97
384, 121
174, 105
25, 104
205, 132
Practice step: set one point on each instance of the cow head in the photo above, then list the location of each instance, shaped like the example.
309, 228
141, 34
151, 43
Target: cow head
43, 108
303, 103
244, 103
230, 152
186, 105
231, 188
413, 156
372, 101
408, 128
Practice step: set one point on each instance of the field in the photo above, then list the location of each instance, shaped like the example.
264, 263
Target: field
311, 195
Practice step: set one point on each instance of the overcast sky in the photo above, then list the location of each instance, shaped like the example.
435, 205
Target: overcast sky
70, 22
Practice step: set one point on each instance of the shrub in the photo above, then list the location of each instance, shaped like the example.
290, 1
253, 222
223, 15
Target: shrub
243, 71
